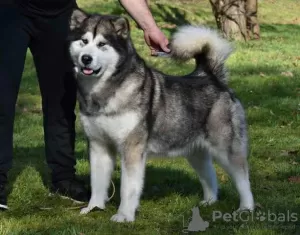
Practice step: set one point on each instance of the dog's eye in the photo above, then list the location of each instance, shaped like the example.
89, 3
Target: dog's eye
85, 41
101, 44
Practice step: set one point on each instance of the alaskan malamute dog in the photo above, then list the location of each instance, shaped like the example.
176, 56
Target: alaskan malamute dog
126, 107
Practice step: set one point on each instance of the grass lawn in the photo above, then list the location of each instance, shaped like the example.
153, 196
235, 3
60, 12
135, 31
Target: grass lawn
266, 77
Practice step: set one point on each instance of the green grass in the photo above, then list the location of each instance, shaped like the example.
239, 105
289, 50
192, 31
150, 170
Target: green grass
259, 75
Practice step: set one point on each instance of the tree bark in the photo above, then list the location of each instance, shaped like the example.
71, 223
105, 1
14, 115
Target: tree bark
253, 29
231, 18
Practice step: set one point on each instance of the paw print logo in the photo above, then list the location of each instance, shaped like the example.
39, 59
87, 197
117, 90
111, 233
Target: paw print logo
261, 216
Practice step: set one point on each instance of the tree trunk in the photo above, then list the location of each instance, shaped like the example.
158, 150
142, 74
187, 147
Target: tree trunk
253, 29
231, 18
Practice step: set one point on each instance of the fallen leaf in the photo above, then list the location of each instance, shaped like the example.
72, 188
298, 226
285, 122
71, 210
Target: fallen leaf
262, 74
287, 74
294, 179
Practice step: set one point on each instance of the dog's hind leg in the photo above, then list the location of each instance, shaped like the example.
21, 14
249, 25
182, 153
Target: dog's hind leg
204, 167
227, 137
132, 179
101, 164
236, 166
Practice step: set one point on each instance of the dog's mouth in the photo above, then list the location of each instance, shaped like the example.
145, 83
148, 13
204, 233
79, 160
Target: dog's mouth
89, 71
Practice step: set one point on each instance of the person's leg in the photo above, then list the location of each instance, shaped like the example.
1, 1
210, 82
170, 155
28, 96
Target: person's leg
58, 89
13, 46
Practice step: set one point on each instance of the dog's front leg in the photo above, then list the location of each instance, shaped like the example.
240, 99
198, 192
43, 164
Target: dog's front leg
132, 179
101, 164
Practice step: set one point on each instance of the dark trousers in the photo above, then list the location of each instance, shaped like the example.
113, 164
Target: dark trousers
46, 38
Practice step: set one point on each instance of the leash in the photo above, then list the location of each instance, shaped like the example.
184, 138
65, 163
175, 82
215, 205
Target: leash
161, 54
84, 204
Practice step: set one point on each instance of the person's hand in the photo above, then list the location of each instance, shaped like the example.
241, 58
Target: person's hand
156, 40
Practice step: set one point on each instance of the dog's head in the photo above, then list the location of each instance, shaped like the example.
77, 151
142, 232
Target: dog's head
98, 43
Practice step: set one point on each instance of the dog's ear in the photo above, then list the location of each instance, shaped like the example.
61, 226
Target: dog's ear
77, 17
121, 26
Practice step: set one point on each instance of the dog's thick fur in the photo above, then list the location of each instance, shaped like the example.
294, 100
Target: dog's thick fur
129, 108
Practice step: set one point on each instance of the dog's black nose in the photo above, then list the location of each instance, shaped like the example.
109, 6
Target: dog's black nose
86, 59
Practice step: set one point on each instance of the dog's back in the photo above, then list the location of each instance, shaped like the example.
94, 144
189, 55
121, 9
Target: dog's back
198, 109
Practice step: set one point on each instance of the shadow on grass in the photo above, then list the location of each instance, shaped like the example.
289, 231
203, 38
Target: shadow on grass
166, 14
272, 94
280, 29
274, 195
160, 181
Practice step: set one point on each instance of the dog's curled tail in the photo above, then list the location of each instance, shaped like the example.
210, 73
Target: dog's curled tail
205, 45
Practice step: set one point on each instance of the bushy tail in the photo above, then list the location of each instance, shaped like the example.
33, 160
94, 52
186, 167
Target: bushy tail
205, 45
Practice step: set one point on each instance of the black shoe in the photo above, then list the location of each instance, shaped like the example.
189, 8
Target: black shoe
3, 198
72, 189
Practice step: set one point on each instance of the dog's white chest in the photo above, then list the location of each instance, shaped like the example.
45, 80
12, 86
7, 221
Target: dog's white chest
115, 127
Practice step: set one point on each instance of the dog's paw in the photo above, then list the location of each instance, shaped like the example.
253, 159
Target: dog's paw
208, 202
85, 210
246, 206
245, 209
89, 208
121, 218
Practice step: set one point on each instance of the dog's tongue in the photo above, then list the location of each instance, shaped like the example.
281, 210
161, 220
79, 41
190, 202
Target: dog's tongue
87, 71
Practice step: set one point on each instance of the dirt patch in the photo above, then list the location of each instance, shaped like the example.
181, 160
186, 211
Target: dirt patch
296, 21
